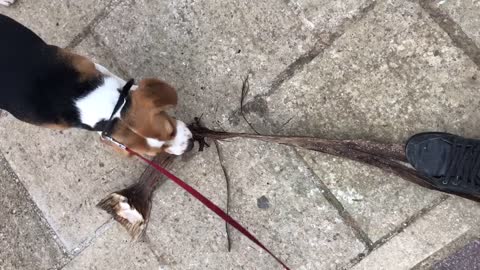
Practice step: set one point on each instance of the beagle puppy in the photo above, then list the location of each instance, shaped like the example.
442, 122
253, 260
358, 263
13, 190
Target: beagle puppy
52, 87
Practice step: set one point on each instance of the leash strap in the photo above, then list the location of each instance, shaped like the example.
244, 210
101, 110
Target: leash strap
217, 210
106, 135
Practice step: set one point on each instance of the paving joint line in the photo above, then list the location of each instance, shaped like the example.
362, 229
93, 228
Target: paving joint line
98, 40
324, 41
459, 38
360, 234
449, 249
92, 24
48, 229
99, 232
399, 229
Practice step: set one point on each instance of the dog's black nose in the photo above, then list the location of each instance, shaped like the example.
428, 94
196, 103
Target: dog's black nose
190, 145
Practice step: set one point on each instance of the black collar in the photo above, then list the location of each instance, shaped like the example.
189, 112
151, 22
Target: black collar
107, 131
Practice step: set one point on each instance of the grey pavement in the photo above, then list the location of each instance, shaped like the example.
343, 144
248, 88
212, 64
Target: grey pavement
380, 70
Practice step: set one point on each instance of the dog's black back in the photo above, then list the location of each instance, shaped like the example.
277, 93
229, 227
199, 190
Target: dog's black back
37, 85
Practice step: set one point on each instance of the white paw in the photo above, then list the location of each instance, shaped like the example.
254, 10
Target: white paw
6, 2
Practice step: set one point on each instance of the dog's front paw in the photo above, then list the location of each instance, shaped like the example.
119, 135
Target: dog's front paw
7, 2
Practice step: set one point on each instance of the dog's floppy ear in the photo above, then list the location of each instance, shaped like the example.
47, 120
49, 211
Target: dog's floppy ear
158, 92
146, 113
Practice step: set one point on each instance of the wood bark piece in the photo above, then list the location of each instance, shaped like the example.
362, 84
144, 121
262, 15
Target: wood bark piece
388, 157
131, 206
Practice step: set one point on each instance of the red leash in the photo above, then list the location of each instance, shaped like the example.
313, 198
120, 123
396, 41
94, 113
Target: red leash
206, 202
106, 135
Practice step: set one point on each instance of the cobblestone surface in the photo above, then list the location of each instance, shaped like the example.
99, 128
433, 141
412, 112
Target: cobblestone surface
368, 69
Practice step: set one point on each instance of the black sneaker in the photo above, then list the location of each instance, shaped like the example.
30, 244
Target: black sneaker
451, 163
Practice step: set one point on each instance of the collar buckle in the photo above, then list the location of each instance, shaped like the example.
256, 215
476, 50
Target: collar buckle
107, 131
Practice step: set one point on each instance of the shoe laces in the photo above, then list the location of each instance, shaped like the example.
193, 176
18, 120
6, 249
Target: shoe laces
464, 165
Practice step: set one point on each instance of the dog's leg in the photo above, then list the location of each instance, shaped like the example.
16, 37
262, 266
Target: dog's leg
6, 2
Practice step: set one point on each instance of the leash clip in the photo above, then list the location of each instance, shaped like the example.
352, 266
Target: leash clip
107, 130
113, 141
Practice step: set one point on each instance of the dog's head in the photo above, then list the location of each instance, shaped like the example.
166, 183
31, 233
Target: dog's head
145, 125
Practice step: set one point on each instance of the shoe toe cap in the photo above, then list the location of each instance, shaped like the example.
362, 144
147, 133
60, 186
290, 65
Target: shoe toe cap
429, 155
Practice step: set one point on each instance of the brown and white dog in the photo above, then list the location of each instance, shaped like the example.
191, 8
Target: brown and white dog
48, 86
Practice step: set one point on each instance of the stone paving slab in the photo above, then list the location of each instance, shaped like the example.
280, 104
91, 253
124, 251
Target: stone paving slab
465, 13
301, 220
447, 222
379, 201
391, 75
467, 258
25, 240
66, 174
57, 22
272, 194
449, 249
206, 48
114, 250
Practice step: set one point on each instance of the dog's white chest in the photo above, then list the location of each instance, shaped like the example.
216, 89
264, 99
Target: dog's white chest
98, 105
